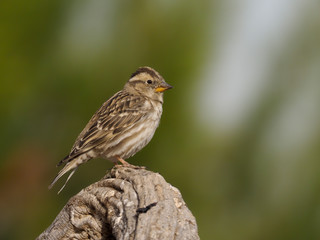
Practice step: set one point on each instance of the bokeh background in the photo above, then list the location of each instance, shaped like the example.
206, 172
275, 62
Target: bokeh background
240, 133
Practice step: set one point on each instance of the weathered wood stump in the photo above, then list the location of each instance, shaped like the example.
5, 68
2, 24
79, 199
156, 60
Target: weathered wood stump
127, 203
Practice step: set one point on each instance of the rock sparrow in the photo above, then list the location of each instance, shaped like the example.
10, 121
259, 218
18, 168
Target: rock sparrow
122, 126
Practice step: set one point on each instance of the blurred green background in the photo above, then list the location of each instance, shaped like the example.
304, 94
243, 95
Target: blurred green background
240, 132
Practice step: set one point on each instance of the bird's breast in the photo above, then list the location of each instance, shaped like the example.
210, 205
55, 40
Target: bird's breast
155, 109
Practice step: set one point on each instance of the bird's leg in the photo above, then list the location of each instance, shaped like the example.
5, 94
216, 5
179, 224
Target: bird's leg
126, 164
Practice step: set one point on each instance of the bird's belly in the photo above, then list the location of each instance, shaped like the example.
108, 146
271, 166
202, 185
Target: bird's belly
138, 142
132, 141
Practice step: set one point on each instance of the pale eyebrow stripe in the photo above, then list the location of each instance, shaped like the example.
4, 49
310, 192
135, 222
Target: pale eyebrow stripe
136, 80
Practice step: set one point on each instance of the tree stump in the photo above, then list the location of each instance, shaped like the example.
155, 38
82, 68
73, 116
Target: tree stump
127, 203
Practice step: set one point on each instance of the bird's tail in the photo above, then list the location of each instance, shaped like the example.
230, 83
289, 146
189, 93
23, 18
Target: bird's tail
72, 165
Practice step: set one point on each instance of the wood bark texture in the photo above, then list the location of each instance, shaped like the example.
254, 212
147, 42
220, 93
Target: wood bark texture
127, 203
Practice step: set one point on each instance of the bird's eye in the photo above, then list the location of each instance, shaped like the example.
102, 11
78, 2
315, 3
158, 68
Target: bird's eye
149, 81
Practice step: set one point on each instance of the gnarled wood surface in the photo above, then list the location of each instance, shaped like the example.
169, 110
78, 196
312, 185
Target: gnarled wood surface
127, 203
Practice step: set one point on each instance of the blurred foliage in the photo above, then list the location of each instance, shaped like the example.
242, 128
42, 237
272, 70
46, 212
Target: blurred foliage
62, 59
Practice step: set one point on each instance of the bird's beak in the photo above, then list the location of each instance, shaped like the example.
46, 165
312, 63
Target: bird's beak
164, 86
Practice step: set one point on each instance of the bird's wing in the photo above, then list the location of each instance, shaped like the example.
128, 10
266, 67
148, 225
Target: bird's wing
119, 113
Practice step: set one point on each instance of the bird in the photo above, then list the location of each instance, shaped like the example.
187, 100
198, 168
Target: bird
122, 126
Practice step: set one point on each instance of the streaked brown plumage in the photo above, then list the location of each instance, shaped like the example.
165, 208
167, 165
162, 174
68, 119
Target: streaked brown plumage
123, 125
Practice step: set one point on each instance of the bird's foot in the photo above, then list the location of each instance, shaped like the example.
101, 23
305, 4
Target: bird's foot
130, 166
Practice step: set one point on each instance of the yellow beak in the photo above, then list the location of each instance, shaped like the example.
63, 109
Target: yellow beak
164, 86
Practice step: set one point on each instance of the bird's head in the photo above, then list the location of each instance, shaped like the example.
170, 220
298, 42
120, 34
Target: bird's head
147, 82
